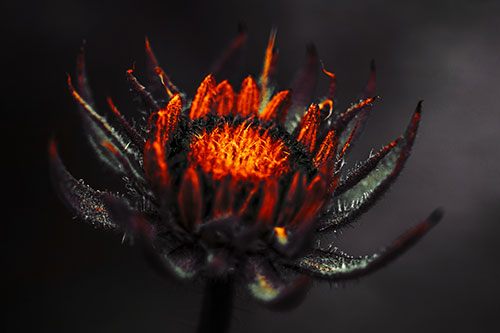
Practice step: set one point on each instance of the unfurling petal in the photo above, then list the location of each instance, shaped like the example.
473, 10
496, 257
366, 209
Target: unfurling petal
224, 98
247, 101
268, 69
361, 190
190, 199
268, 287
338, 265
277, 109
307, 129
204, 98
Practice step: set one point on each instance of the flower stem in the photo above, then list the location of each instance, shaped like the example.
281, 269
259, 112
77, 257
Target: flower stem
217, 306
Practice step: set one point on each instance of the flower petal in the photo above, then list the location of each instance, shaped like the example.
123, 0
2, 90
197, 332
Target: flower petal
224, 98
307, 129
247, 101
204, 98
270, 288
268, 69
277, 109
371, 180
338, 265
190, 199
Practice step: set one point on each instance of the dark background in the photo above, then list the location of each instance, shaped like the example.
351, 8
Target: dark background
64, 276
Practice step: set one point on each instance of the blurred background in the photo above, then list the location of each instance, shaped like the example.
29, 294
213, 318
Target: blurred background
64, 276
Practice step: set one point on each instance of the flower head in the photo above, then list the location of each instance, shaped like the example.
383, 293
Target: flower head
238, 183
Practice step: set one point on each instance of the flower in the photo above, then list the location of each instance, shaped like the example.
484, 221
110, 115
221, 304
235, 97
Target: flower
238, 185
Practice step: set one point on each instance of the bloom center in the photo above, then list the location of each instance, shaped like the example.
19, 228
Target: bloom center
241, 151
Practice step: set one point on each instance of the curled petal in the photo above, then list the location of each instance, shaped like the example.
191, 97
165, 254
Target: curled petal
338, 265
371, 181
269, 287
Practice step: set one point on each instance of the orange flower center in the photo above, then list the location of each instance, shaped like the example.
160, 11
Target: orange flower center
241, 151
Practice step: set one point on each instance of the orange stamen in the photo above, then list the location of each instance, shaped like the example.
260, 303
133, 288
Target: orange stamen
240, 151
247, 102
204, 98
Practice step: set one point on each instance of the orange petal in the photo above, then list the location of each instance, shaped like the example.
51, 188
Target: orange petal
325, 159
224, 98
247, 102
155, 149
190, 199
314, 199
326, 153
293, 199
277, 108
331, 88
269, 201
168, 118
223, 198
204, 98
308, 128
269, 64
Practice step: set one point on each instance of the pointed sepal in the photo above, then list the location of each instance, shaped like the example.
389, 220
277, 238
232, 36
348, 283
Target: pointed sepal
340, 266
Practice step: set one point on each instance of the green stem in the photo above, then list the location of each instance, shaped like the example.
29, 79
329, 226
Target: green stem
217, 307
